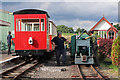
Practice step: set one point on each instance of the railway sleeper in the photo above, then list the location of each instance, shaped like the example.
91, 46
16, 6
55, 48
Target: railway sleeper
8, 77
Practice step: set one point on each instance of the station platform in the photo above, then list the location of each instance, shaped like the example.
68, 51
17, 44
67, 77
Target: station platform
4, 57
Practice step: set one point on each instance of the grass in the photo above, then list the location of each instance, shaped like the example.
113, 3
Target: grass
67, 34
107, 63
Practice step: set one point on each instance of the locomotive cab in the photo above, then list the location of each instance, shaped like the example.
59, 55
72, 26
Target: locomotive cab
81, 49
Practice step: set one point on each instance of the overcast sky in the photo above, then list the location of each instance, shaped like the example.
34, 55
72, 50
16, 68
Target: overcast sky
83, 14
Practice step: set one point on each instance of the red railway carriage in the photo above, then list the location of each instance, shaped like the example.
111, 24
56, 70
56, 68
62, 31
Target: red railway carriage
32, 32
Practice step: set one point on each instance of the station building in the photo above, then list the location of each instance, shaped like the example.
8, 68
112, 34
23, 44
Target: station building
105, 29
6, 25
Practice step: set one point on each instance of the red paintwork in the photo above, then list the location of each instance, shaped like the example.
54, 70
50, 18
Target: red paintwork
50, 38
39, 37
98, 41
100, 30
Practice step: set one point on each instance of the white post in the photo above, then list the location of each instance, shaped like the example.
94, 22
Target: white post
26, 27
103, 34
32, 26
98, 33
51, 28
41, 26
19, 25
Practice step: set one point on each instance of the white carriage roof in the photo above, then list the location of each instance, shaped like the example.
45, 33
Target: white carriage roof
52, 23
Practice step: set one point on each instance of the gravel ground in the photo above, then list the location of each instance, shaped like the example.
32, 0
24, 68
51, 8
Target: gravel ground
50, 70
109, 72
3, 56
53, 72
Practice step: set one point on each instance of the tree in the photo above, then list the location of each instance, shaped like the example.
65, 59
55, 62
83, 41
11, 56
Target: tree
71, 30
78, 30
65, 29
116, 51
117, 26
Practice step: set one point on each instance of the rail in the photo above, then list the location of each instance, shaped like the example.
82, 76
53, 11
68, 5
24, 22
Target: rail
18, 70
95, 72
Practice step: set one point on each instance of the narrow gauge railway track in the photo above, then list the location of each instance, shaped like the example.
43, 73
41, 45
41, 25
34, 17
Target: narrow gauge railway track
91, 73
15, 72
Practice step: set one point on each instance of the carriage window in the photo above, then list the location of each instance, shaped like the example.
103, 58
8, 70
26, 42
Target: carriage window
17, 24
30, 25
42, 25
36, 27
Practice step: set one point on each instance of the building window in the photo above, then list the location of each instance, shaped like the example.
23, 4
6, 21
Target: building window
42, 25
30, 25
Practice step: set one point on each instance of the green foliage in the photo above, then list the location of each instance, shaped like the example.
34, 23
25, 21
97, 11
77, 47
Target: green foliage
113, 67
96, 34
105, 46
117, 26
79, 30
116, 51
65, 29
106, 63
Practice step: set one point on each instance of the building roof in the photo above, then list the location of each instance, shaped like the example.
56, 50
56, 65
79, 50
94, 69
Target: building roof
103, 18
4, 11
31, 11
4, 23
112, 28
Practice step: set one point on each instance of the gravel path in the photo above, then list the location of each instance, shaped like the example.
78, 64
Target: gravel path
50, 70
109, 72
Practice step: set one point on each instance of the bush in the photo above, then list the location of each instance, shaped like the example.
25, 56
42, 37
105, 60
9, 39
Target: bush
105, 46
116, 51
